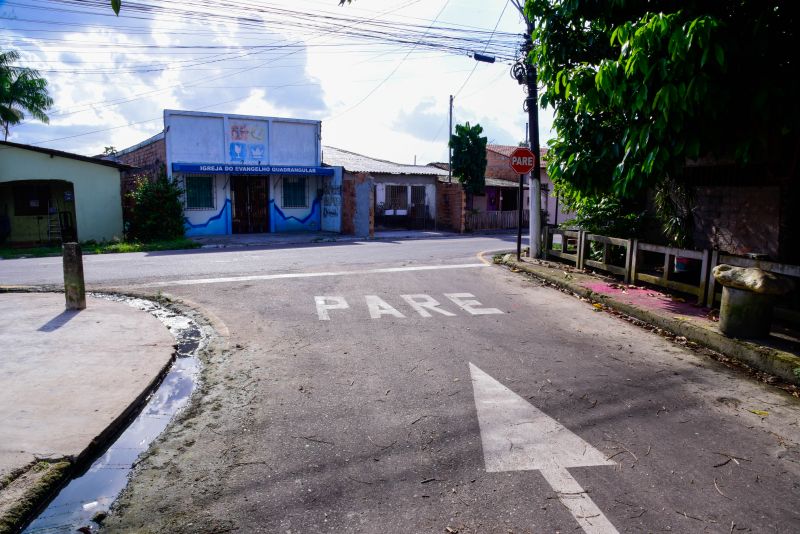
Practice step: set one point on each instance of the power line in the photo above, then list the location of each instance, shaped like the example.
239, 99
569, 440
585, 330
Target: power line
390, 74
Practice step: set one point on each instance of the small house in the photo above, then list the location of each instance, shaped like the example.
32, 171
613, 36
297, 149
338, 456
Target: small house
50, 196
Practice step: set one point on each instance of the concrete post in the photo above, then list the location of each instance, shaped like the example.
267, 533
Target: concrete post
74, 286
745, 314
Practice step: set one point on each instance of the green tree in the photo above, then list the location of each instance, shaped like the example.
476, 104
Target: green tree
469, 157
157, 210
21, 90
639, 87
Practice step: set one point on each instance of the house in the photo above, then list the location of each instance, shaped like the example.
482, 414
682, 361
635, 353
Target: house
404, 195
496, 207
49, 196
244, 174
502, 195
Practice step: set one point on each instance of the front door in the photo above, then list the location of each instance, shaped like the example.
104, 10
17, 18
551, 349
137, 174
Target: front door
250, 201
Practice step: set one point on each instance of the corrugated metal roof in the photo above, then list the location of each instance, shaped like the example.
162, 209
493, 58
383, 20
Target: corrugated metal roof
336, 157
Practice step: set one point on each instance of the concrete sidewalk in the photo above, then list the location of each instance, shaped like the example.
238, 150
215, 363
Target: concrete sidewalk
69, 378
779, 354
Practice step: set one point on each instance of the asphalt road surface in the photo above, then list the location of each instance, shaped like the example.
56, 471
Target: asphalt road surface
410, 387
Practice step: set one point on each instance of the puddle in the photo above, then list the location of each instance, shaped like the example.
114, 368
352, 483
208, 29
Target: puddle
92, 491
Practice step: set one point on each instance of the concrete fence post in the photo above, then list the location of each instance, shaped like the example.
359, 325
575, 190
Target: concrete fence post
628, 260
634, 261
74, 286
581, 248
704, 274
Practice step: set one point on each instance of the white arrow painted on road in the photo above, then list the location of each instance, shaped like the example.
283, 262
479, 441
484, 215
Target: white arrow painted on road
518, 437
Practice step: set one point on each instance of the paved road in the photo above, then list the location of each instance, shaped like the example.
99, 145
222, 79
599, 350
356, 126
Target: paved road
150, 267
461, 396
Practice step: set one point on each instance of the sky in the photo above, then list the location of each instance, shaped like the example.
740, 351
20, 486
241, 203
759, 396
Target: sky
384, 95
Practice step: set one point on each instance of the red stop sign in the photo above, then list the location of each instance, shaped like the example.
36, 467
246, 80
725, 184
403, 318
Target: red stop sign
522, 160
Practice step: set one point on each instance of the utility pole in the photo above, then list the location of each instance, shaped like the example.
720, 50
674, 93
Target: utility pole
525, 73
450, 148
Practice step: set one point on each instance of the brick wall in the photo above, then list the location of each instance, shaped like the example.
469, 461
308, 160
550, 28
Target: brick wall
148, 160
738, 219
147, 155
497, 166
450, 206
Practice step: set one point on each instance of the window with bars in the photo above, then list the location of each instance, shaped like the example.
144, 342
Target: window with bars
396, 197
199, 192
294, 192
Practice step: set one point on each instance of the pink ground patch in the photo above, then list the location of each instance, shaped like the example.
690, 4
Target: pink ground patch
648, 299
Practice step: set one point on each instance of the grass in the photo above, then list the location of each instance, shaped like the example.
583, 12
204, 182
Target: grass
55, 473
8, 253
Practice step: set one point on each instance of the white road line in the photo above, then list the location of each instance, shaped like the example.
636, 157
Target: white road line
577, 501
229, 279
516, 436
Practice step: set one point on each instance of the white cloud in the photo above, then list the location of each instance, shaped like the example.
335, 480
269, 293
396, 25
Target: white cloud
371, 99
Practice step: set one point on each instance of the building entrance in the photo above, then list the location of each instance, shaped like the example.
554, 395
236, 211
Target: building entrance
250, 204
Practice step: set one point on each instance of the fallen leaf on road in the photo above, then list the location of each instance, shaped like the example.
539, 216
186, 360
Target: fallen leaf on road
598, 305
451, 530
761, 413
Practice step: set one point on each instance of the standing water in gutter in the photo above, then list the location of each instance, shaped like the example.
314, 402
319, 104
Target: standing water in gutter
85, 500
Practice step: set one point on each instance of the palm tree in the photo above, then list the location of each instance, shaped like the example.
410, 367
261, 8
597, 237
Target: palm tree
21, 90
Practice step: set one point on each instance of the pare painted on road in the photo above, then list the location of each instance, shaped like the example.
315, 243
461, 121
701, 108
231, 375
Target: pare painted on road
419, 304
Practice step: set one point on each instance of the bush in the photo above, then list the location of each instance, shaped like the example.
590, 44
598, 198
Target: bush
157, 210
609, 216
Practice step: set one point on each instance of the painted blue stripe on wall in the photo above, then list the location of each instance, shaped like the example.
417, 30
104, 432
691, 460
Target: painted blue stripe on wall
280, 222
216, 225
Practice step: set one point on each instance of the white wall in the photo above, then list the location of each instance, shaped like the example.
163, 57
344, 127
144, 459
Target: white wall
194, 137
294, 143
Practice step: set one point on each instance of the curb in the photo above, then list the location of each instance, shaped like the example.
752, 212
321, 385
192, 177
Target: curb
351, 238
784, 365
41, 494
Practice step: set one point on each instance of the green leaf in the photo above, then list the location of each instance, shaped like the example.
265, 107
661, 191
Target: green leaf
116, 5
720, 55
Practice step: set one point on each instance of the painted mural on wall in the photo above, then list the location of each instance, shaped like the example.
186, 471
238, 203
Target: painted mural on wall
218, 224
247, 140
281, 222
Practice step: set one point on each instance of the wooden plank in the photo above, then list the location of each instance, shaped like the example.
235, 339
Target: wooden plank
608, 240
681, 252
572, 257
605, 267
670, 284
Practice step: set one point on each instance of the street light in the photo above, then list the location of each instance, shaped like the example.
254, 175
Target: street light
477, 57
482, 57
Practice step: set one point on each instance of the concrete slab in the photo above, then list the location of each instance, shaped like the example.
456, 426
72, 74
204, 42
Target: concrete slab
65, 376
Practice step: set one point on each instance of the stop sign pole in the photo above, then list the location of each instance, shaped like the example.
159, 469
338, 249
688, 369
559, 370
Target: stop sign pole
522, 160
